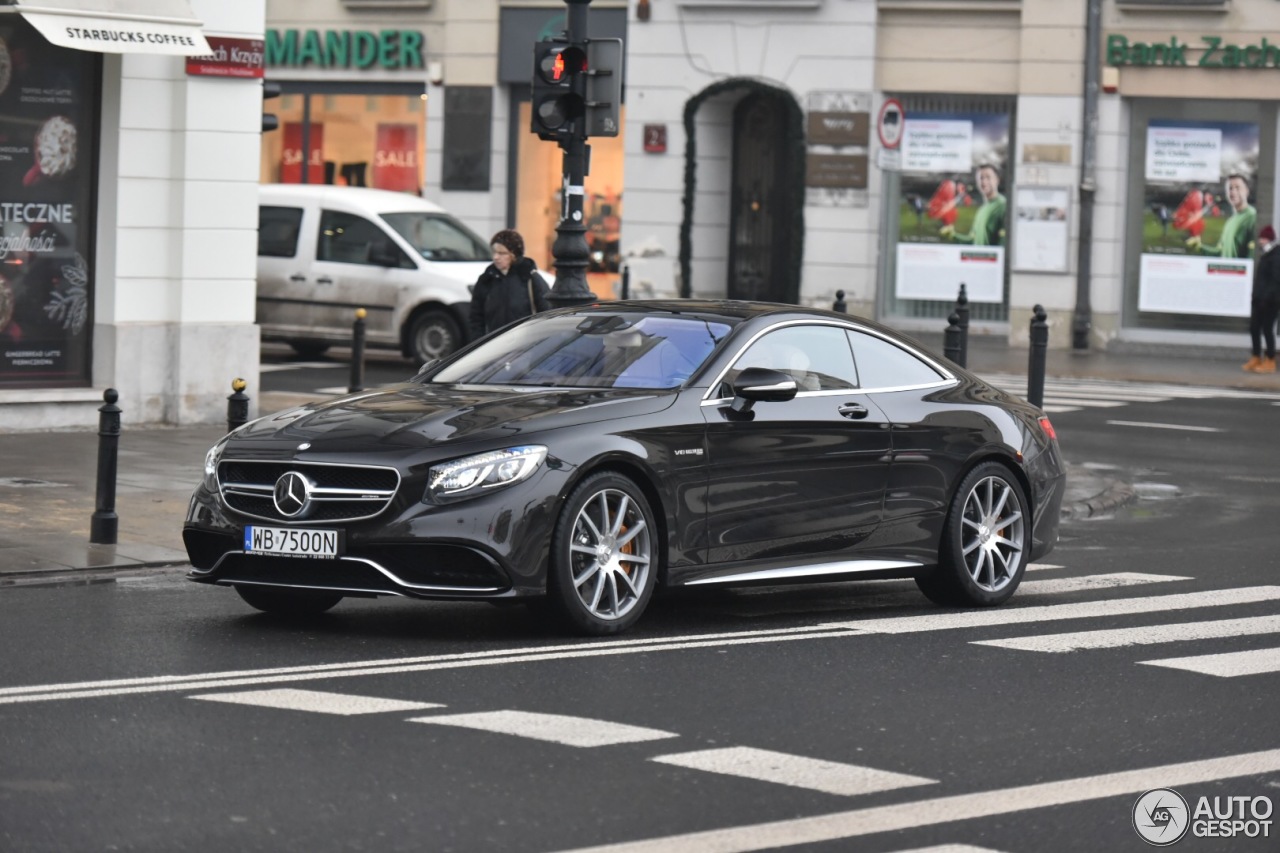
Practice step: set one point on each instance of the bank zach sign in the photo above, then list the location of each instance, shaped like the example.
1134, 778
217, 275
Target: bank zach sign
386, 50
1207, 52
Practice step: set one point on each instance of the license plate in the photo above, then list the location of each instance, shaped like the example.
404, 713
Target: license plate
291, 542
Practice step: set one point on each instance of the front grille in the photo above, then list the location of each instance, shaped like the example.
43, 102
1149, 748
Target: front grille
336, 492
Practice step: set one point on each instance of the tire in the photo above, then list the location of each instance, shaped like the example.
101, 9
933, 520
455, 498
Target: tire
986, 541
432, 334
309, 349
603, 566
288, 602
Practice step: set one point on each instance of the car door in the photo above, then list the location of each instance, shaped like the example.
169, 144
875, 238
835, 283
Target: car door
285, 252
803, 478
358, 265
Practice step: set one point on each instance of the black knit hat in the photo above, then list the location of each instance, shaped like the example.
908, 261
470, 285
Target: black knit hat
512, 240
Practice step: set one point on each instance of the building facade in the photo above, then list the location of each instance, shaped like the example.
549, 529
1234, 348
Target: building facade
129, 214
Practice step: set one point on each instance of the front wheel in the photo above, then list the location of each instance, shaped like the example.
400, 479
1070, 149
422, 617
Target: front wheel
603, 566
985, 541
432, 334
288, 602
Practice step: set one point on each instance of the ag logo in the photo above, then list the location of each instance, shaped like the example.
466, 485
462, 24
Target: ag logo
1161, 817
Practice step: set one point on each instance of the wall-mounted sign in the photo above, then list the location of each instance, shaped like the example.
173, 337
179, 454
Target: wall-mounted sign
891, 123
1041, 231
1208, 52
836, 171
655, 138
831, 128
229, 57
388, 50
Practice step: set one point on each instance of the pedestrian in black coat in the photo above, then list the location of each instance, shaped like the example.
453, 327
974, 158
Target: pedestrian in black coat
1265, 303
509, 289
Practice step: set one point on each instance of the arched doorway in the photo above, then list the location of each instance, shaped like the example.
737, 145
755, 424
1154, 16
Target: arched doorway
764, 189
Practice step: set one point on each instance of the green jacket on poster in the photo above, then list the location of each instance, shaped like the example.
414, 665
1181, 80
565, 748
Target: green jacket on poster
988, 224
1238, 234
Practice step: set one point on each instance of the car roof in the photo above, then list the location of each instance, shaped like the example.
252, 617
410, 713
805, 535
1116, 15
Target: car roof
738, 310
356, 199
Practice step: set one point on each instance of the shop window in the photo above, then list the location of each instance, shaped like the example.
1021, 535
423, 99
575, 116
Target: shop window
278, 229
348, 239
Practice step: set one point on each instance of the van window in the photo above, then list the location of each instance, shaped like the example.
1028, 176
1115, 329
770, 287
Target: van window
438, 236
349, 239
278, 229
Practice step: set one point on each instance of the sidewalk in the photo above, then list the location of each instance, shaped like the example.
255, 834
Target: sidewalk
48, 479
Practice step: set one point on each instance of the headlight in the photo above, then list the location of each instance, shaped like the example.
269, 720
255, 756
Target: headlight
473, 475
211, 465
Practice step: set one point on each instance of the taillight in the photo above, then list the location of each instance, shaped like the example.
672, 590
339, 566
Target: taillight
1048, 429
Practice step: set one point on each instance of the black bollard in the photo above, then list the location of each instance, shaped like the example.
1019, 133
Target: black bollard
1036, 360
951, 339
840, 303
962, 311
105, 523
357, 353
626, 282
237, 405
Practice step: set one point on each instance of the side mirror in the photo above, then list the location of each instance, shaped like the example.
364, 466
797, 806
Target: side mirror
384, 255
761, 385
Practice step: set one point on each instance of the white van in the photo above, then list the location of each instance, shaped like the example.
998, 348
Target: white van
324, 251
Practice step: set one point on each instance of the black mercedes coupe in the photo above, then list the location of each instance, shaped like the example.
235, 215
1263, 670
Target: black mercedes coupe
585, 455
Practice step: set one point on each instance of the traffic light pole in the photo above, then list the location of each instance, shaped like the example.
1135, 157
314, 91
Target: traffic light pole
571, 251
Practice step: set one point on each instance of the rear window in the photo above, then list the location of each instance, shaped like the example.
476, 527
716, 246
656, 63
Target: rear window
278, 229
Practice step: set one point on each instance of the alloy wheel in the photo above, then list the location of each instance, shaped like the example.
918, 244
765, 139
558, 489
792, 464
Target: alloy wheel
610, 552
993, 532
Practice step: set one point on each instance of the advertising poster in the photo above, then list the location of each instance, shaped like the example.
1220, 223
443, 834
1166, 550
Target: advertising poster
953, 211
395, 158
1199, 225
291, 154
47, 126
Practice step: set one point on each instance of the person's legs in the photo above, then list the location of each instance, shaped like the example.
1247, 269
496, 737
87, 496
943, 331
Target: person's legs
1266, 323
1255, 335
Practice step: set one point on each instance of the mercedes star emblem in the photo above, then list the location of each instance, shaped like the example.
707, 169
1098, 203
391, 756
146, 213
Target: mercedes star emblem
292, 494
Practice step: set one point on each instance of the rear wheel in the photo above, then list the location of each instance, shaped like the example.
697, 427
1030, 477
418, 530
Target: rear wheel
602, 564
433, 333
985, 542
309, 349
288, 602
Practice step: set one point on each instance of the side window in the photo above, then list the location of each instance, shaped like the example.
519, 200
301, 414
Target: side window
349, 239
278, 229
885, 365
817, 357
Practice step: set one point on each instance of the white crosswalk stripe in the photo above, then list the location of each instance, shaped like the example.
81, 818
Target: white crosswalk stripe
1227, 665
1065, 394
557, 728
846, 780
1058, 586
316, 701
1147, 636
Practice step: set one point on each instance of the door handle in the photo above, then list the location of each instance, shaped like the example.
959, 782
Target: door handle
853, 411
297, 277
325, 280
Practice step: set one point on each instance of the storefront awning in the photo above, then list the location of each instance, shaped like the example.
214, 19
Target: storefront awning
117, 26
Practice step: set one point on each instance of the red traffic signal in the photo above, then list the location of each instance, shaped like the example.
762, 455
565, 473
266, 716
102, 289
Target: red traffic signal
559, 82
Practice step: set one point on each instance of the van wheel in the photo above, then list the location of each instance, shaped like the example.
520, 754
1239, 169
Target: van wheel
433, 334
309, 349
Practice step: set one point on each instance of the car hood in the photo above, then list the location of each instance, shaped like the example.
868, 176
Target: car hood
414, 415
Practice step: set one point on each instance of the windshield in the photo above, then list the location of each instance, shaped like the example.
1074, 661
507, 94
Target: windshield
438, 236
625, 350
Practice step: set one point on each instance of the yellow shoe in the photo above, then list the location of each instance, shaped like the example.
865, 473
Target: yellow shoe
1253, 362
1267, 365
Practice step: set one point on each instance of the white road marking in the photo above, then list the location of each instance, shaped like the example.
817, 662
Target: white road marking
317, 701
1057, 410
861, 822
1057, 586
296, 365
846, 780
951, 848
1149, 636
1182, 427
1042, 567
1228, 665
557, 728
1087, 403
1054, 612
498, 657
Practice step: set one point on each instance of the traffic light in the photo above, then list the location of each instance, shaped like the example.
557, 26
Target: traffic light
604, 86
270, 121
559, 85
